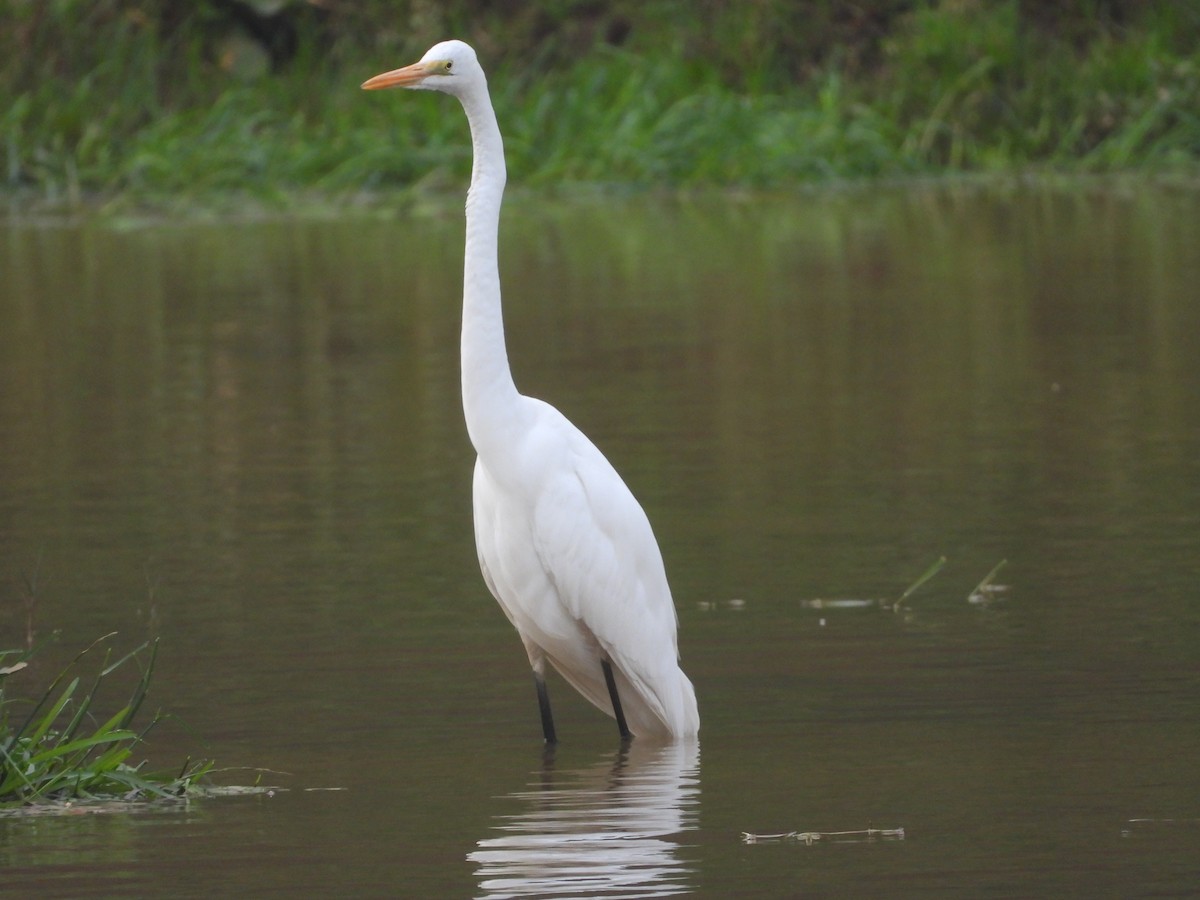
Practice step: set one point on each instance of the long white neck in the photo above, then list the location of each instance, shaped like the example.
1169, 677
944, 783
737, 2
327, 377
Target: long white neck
489, 395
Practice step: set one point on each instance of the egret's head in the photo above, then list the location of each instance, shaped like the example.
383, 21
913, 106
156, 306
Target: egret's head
450, 67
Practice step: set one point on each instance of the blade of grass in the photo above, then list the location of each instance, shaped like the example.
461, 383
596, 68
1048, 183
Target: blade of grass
112, 726
82, 743
987, 579
925, 576
85, 704
54, 684
143, 687
128, 656
43, 726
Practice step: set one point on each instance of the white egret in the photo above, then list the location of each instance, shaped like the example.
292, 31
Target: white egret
564, 547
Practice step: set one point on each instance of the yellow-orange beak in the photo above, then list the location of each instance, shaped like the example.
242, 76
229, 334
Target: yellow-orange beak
405, 77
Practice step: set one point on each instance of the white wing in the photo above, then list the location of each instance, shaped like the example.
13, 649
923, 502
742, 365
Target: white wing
571, 557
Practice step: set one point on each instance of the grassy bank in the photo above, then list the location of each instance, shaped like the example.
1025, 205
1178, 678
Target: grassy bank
108, 101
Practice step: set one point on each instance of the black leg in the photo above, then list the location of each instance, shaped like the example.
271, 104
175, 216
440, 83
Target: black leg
544, 707
616, 700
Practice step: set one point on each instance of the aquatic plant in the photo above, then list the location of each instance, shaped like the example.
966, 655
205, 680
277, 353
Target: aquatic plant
937, 566
59, 750
987, 590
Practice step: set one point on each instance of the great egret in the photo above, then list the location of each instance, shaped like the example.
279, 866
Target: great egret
564, 547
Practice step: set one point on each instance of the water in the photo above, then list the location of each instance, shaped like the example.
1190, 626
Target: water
245, 437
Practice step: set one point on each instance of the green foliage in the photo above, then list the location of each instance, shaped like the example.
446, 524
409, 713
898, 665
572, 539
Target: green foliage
59, 750
983, 91
149, 100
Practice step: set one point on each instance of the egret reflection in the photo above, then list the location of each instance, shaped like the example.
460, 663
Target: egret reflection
608, 830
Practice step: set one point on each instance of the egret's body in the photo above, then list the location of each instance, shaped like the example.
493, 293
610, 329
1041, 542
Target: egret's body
564, 547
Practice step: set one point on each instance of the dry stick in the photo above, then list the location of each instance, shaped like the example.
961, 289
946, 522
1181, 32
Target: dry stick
809, 836
986, 584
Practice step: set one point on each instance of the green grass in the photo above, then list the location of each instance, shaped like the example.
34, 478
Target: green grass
120, 111
61, 748
938, 565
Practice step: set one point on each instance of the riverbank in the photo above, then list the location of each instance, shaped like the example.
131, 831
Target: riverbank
195, 115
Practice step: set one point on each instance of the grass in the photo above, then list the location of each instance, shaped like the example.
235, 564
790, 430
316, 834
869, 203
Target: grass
937, 566
119, 110
62, 749
987, 590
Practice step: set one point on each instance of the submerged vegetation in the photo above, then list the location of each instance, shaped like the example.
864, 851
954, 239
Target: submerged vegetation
153, 99
55, 749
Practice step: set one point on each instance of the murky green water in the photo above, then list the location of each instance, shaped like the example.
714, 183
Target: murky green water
246, 438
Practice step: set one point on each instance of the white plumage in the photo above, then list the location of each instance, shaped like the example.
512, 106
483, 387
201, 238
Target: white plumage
564, 546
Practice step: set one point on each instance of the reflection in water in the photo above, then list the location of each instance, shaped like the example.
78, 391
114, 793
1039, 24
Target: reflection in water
603, 831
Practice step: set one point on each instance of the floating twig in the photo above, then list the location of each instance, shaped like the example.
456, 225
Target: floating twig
811, 837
